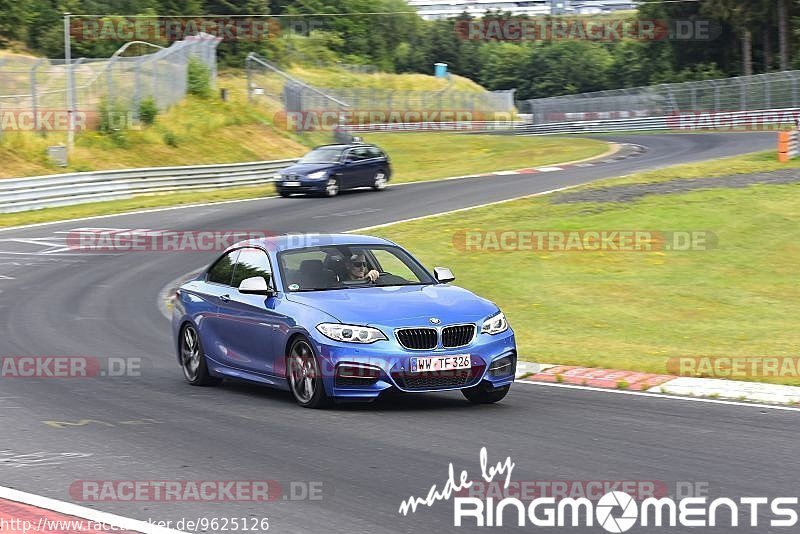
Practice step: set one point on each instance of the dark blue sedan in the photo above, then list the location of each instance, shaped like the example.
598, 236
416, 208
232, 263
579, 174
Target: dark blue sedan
328, 169
339, 317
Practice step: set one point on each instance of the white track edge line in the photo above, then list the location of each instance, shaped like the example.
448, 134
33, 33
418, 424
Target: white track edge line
660, 395
439, 214
82, 512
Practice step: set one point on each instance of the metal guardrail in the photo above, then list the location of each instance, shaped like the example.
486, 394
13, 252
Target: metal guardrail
596, 126
23, 194
774, 90
763, 119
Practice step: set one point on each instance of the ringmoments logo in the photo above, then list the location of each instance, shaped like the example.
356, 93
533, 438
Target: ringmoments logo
615, 511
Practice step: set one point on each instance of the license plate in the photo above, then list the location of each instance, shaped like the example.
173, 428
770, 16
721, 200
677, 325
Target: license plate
291, 184
440, 363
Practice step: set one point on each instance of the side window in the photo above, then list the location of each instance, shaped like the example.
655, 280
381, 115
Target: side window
252, 262
356, 154
364, 153
374, 152
222, 271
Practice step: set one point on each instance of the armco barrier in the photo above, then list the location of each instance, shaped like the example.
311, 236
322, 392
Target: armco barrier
761, 119
22, 194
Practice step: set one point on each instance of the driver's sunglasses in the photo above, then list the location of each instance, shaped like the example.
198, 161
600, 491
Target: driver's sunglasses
359, 264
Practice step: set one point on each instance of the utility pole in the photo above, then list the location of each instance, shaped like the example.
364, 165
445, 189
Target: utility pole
70, 89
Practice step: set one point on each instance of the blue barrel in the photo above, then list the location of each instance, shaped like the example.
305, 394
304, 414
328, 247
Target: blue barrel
440, 70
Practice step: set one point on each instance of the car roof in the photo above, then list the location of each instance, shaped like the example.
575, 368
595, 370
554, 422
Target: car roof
279, 243
344, 146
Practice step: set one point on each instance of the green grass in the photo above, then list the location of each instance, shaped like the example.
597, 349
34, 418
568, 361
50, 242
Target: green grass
634, 310
423, 156
339, 78
746, 164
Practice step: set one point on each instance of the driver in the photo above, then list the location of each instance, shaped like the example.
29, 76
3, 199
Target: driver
357, 269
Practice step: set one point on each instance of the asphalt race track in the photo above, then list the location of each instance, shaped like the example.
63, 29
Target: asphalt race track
367, 459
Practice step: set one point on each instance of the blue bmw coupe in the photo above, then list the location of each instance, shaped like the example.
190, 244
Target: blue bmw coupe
339, 317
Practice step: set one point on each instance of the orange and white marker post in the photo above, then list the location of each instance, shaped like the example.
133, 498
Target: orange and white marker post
788, 145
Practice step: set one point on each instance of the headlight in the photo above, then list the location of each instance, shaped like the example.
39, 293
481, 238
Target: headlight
495, 324
317, 175
350, 333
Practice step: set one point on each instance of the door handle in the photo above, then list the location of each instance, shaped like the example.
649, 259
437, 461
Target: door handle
225, 298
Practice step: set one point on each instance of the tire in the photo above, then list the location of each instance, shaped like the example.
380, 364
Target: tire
484, 394
332, 187
381, 180
305, 379
193, 359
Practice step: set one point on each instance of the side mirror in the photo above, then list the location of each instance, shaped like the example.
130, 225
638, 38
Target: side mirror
257, 285
443, 275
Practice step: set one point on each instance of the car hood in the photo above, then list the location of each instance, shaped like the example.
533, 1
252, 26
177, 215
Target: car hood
399, 305
307, 168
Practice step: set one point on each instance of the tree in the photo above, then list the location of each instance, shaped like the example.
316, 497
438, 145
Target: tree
742, 15
565, 67
13, 20
783, 38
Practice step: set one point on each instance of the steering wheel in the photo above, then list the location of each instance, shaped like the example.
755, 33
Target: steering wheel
380, 275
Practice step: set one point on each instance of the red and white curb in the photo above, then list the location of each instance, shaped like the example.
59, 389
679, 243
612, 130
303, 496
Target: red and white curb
23, 513
701, 388
628, 150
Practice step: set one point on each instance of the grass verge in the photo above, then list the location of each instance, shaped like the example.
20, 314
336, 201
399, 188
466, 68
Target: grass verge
746, 164
426, 155
636, 310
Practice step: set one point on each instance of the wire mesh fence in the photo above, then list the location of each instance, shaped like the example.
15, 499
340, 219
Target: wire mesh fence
308, 107
34, 94
780, 90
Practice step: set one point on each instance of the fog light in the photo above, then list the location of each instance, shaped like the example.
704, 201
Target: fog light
502, 367
354, 374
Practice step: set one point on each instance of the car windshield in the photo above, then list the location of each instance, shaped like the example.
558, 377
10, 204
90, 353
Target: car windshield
349, 266
322, 155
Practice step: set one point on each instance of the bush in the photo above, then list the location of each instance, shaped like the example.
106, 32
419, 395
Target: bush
170, 139
114, 117
198, 79
148, 110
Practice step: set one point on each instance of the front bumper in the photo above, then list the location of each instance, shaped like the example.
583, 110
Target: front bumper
305, 186
391, 365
